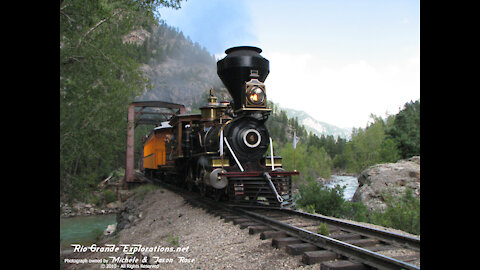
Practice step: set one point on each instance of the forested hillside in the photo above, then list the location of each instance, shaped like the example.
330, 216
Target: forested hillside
179, 70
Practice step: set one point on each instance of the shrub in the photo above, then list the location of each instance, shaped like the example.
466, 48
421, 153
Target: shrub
355, 211
401, 213
326, 201
109, 196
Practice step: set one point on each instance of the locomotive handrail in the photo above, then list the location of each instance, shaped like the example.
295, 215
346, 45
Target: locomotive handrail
271, 153
233, 154
279, 198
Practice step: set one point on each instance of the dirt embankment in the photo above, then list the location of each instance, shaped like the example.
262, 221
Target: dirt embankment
163, 223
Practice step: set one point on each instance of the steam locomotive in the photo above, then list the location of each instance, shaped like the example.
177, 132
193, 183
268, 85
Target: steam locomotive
223, 152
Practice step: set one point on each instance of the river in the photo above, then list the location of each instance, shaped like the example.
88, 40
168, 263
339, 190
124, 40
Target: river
350, 183
83, 229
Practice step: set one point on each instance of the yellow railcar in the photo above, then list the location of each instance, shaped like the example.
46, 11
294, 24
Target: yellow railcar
154, 150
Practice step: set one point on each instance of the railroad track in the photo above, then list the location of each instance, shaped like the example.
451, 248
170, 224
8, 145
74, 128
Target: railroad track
347, 246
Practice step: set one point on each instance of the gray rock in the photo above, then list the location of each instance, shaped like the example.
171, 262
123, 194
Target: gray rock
127, 214
110, 229
131, 218
394, 179
114, 205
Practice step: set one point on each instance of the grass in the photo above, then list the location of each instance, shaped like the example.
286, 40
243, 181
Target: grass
143, 190
310, 208
323, 229
171, 239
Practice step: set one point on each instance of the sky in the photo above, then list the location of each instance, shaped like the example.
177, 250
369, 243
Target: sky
338, 60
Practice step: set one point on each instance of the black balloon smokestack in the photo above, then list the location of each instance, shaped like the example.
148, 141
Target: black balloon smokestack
239, 66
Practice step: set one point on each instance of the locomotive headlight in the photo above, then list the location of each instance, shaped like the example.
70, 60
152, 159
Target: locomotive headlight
256, 95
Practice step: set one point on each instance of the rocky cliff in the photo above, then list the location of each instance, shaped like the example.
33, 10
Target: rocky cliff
179, 70
390, 179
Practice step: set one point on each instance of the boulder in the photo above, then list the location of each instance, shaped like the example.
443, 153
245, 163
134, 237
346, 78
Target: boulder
127, 214
392, 179
110, 229
125, 194
114, 205
78, 206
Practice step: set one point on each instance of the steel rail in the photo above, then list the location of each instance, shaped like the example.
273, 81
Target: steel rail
348, 250
383, 235
386, 236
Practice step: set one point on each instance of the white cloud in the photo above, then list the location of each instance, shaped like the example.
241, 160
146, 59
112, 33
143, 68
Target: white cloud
343, 94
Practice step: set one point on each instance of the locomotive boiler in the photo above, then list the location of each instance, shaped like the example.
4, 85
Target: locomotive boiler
226, 151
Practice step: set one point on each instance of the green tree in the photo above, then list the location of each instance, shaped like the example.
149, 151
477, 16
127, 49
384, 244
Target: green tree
340, 161
99, 77
311, 162
368, 147
389, 151
405, 130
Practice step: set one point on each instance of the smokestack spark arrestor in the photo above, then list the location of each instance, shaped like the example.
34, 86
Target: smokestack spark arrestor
243, 71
